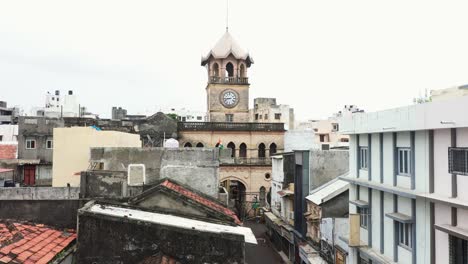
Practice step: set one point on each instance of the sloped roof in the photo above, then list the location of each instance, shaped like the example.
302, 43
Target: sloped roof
328, 191
30, 243
224, 47
200, 199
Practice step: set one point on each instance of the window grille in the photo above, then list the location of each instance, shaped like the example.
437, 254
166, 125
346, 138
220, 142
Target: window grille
404, 161
458, 161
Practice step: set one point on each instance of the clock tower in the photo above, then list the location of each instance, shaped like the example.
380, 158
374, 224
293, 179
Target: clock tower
228, 85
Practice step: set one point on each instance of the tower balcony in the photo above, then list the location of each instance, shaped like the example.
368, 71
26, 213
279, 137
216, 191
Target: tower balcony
229, 80
228, 126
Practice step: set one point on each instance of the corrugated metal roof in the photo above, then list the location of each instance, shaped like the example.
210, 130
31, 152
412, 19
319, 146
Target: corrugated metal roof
328, 191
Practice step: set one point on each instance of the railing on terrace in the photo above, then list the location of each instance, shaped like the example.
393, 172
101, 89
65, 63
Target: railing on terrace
252, 161
230, 80
227, 126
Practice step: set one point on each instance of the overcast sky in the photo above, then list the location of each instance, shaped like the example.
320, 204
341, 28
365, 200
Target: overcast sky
315, 56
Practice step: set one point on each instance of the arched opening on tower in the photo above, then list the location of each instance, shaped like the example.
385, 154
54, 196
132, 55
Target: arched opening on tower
215, 69
232, 146
243, 150
242, 71
200, 145
229, 70
188, 145
237, 194
272, 149
261, 150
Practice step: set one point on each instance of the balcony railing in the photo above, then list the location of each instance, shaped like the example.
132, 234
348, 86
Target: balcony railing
227, 126
229, 80
246, 161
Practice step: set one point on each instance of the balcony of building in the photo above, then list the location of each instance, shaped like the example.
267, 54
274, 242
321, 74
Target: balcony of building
229, 80
229, 126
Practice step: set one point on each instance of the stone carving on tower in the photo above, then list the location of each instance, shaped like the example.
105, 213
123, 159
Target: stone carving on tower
228, 84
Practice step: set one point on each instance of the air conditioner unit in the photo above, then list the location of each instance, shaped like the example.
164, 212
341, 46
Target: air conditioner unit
291, 215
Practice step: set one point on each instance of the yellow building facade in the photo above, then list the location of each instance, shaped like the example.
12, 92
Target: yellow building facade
72, 150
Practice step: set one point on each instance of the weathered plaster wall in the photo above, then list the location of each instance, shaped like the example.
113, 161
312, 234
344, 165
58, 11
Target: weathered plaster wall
338, 207
326, 165
195, 167
39, 193
110, 240
59, 213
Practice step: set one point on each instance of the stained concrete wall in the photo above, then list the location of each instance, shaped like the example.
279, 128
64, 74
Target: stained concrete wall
39, 193
337, 207
107, 184
45, 205
59, 213
116, 240
40, 129
325, 165
195, 167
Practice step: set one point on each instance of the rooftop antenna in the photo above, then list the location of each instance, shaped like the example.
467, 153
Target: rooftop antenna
227, 15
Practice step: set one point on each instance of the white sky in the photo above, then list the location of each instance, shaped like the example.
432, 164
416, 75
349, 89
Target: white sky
313, 55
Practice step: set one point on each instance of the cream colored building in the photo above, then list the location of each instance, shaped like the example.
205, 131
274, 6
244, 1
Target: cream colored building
72, 150
325, 134
248, 173
266, 110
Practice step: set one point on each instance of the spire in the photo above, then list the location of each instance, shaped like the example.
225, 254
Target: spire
227, 15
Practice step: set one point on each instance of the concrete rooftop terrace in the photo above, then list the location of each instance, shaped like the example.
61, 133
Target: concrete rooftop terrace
171, 220
442, 114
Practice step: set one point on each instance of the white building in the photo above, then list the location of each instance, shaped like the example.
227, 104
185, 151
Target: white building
186, 115
9, 133
326, 133
59, 105
266, 110
407, 168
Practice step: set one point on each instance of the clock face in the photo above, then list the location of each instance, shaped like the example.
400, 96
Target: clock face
229, 98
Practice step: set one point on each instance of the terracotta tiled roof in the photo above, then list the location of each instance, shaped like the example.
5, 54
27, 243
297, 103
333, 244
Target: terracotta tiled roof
29, 243
202, 200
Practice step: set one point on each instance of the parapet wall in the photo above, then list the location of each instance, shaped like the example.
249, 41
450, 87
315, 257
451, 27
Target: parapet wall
39, 193
196, 167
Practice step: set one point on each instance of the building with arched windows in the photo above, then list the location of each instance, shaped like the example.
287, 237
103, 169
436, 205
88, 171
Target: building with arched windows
247, 174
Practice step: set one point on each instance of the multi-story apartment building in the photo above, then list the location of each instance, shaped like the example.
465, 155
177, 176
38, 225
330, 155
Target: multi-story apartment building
266, 110
408, 168
8, 115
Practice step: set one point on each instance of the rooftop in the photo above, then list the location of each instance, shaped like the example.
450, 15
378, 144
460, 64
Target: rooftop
328, 191
169, 220
200, 199
432, 115
32, 243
